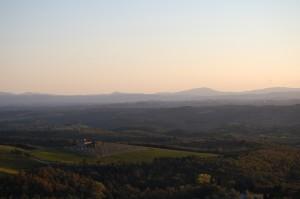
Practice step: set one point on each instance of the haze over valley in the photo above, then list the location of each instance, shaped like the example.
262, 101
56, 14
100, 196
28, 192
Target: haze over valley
200, 96
149, 99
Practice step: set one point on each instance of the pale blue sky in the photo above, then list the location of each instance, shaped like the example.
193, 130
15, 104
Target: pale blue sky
95, 46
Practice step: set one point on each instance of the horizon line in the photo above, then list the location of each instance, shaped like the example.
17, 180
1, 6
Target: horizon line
144, 93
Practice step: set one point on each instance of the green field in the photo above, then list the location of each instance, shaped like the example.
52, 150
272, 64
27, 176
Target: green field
142, 155
149, 154
60, 156
11, 162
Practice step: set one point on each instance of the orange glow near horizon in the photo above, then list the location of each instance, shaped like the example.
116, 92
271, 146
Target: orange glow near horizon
101, 47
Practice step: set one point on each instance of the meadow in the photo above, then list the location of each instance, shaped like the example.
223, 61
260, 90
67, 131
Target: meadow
14, 159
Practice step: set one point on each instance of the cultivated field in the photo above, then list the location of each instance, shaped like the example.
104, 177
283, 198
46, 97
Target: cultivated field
14, 159
149, 154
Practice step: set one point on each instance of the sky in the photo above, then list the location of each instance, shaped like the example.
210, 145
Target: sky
103, 46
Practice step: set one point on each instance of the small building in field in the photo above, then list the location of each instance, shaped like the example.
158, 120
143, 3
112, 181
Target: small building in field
86, 143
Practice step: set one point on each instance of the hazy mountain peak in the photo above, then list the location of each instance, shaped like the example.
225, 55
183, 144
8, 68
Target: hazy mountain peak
202, 91
196, 94
117, 93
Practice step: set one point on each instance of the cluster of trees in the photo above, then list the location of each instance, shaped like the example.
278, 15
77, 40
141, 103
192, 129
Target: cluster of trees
49, 183
271, 172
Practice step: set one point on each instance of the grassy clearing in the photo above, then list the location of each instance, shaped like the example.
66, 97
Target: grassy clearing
8, 171
6, 149
149, 154
59, 156
11, 163
142, 155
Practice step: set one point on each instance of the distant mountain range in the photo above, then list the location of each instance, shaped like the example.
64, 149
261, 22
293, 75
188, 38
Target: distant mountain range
276, 95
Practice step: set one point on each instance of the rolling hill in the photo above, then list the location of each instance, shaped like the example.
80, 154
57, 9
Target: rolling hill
278, 95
